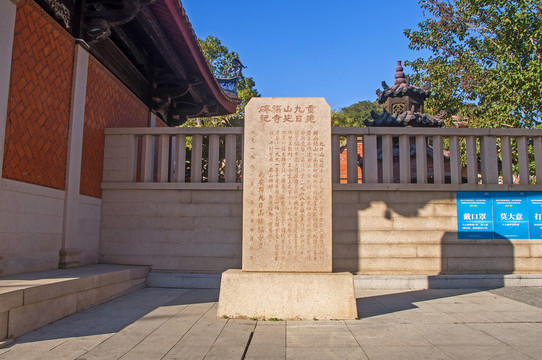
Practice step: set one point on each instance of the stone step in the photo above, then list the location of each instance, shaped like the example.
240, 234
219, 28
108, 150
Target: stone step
463, 281
29, 301
163, 279
376, 282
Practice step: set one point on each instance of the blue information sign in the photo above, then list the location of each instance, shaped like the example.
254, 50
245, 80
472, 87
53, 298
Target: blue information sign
510, 214
474, 215
535, 215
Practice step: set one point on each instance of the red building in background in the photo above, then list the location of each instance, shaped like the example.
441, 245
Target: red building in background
68, 70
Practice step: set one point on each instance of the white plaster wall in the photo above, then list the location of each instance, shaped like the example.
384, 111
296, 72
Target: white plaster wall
30, 227
88, 229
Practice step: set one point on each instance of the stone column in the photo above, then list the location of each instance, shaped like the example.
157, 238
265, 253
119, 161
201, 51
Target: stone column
8, 11
69, 254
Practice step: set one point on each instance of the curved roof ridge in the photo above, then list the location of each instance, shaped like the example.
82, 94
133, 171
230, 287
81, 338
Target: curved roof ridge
185, 29
401, 87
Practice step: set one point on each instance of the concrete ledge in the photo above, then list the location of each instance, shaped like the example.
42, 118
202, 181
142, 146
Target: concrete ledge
29, 301
468, 281
170, 186
287, 296
380, 282
183, 280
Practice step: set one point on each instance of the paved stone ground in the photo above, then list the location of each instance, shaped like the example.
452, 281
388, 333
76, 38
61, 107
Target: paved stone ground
158, 323
527, 295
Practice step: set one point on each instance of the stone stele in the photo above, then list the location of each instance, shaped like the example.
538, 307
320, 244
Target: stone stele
286, 271
287, 185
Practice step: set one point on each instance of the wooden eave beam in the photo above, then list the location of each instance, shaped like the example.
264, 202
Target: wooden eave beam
114, 59
161, 42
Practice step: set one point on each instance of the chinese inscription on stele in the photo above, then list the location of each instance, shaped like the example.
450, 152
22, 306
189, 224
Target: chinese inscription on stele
287, 185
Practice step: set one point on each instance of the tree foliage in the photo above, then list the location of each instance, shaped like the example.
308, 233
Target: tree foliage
486, 60
220, 59
355, 114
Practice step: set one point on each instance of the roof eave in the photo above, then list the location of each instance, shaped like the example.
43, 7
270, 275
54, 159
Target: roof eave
228, 103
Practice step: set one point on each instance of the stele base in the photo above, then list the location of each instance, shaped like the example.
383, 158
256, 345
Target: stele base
287, 296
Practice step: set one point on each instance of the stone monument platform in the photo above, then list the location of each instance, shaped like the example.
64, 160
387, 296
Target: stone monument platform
287, 296
287, 259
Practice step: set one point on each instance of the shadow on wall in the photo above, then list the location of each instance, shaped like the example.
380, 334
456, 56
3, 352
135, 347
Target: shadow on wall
414, 233
492, 257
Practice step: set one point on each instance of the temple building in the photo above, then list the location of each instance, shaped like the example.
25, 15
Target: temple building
403, 105
68, 70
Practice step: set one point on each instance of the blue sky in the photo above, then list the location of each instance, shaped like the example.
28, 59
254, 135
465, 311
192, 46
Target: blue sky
340, 50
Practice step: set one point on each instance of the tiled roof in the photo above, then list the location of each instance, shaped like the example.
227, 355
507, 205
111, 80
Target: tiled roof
401, 87
175, 23
407, 118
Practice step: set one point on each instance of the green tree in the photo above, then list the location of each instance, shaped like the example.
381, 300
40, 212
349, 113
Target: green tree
220, 58
355, 114
486, 60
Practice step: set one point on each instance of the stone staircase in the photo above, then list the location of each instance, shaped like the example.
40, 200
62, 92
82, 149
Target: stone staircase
29, 301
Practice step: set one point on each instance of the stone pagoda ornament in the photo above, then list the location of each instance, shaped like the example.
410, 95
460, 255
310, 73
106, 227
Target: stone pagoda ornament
403, 104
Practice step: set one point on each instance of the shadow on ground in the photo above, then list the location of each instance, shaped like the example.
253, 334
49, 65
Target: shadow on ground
113, 316
390, 303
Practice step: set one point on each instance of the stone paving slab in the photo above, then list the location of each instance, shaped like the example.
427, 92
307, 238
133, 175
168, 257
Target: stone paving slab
159, 323
528, 295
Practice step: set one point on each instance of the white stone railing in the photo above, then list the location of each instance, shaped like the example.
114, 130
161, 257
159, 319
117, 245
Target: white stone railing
442, 159
492, 158
159, 156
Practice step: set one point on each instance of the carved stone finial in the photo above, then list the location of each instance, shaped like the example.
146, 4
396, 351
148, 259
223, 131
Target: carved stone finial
399, 74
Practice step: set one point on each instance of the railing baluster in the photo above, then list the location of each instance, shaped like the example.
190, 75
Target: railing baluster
147, 158
352, 158
212, 165
370, 164
404, 159
537, 143
523, 160
455, 160
506, 160
387, 159
438, 161
336, 158
472, 166
163, 159
195, 162
488, 155
131, 168
180, 158
421, 160
172, 150
231, 157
